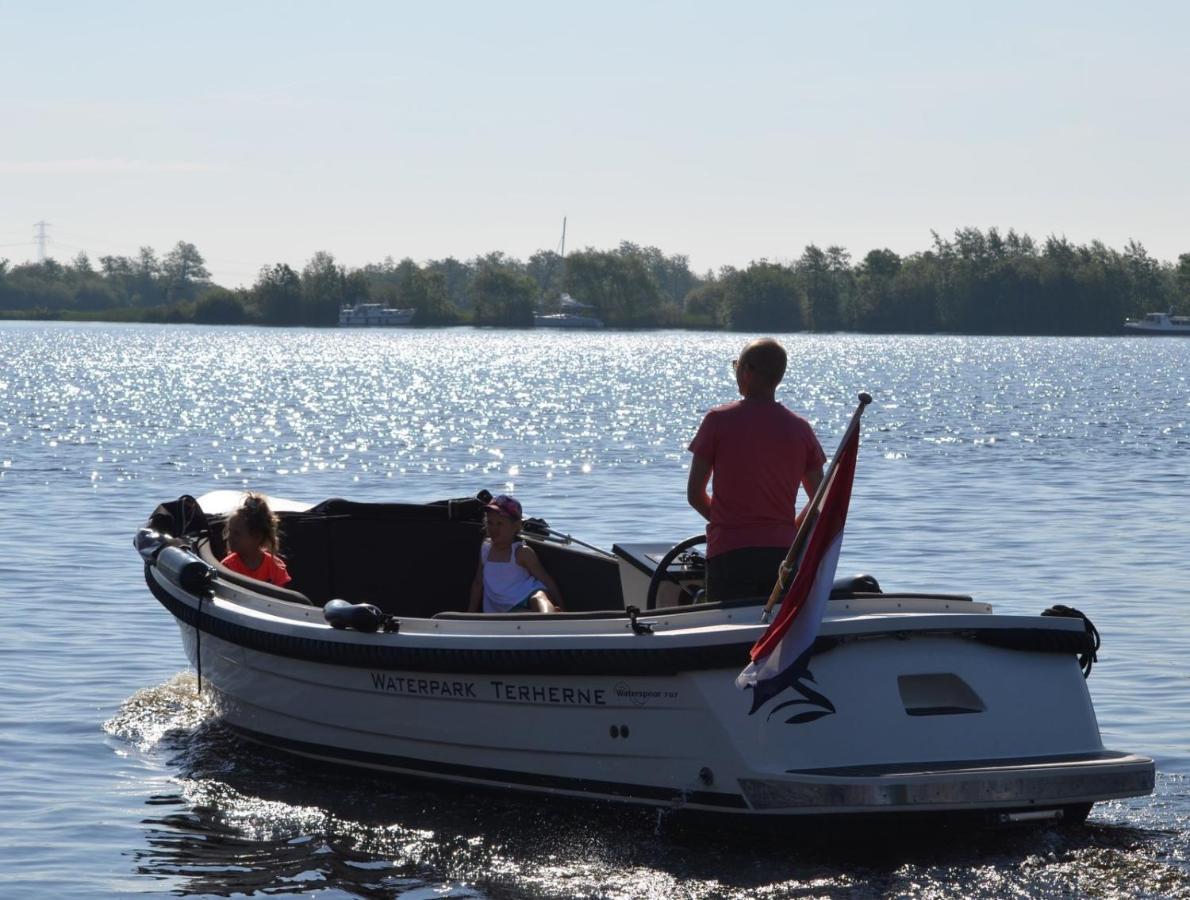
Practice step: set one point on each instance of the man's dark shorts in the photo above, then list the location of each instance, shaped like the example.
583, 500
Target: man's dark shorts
747, 572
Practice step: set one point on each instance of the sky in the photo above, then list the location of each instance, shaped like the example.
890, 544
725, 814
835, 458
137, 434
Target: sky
263, 132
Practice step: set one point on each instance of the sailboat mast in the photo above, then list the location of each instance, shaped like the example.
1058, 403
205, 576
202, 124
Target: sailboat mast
562, 245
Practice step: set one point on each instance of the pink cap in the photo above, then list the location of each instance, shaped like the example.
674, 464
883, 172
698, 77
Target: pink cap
508, 506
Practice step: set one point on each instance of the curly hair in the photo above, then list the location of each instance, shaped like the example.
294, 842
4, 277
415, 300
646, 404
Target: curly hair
254, 512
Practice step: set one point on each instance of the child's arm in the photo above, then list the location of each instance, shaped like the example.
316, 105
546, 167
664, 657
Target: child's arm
527, 558
476, 604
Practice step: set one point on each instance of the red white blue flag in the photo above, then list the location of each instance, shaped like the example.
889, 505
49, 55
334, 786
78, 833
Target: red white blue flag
780, 659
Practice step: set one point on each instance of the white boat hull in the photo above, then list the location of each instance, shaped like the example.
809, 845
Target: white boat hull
566, 320
374, 315
919, 718
1159, 325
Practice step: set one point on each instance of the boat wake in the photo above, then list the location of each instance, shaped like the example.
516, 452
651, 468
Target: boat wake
244, 820
157, 714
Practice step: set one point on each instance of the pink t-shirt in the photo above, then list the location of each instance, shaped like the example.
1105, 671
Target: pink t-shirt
759, 453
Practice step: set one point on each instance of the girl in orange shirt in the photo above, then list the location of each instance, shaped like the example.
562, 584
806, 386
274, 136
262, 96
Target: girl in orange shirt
251, 535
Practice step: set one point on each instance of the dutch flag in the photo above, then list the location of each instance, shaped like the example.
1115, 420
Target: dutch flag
781, 656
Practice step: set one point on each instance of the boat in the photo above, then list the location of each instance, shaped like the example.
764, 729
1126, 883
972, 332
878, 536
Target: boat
374, 315
573, 314
910, 706
1159, 323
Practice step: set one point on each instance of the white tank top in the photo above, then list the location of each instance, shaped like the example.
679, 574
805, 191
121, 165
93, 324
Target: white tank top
505, 584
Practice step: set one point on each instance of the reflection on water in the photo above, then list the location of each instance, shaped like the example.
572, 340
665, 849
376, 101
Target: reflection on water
245, 821
1024, 471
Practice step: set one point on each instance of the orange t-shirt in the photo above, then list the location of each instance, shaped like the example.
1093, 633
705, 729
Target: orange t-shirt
271, 568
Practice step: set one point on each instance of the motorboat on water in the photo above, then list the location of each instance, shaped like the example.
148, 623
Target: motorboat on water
1159, 323
910, 703
374, 315
572, 314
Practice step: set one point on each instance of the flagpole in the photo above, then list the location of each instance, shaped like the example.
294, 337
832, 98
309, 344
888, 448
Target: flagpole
789, 566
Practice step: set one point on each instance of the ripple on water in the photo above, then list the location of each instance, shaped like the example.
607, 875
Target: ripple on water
243, 819
1024, 471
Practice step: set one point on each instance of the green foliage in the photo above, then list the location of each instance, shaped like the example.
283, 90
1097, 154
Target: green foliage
183, 271
546, 268
220, 306
977, 282
407, 286
456, 280
501, 295
763, 297
618, 285
277, 295
324, 290
827, 288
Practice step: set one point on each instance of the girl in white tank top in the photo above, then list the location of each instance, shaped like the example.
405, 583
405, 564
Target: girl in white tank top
510, 577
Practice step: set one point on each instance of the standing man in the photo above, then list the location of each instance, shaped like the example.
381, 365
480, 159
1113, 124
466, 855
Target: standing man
758, 453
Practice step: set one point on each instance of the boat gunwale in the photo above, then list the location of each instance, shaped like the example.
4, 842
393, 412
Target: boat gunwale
628, 653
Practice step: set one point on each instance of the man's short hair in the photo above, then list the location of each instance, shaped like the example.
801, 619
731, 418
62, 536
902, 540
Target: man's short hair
766, 358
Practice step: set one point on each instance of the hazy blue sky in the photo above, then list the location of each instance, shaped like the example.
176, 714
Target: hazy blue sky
263, 132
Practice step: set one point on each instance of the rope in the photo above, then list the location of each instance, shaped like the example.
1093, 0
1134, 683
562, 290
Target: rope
1091, 656
198, 643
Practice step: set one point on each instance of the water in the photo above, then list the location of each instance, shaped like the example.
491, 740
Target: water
1024, 471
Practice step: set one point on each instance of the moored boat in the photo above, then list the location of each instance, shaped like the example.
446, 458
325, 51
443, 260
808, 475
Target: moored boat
572, 314
909, 702
374, 315
1159, 324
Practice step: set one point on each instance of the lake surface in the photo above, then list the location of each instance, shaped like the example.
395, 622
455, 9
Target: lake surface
1024, 471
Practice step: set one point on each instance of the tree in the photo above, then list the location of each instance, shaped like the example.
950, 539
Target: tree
1144, 282
277, 295
82, 264
618, 285
825, 279
146, 289
1181, 283
763, 297
426, 292
706, 303
456, 280
875, 281
546, 268
324, 284
219, 306
95, 297
183, 270
671, 273
500, 295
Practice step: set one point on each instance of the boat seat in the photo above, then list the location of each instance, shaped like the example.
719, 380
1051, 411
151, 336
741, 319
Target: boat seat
588, 582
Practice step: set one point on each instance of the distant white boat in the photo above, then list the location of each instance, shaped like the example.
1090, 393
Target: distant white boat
1160, 323
374, 315
573, 315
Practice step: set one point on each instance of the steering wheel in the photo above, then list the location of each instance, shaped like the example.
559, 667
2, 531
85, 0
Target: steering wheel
661, 573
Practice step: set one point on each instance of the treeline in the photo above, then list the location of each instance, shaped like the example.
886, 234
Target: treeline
977, 282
